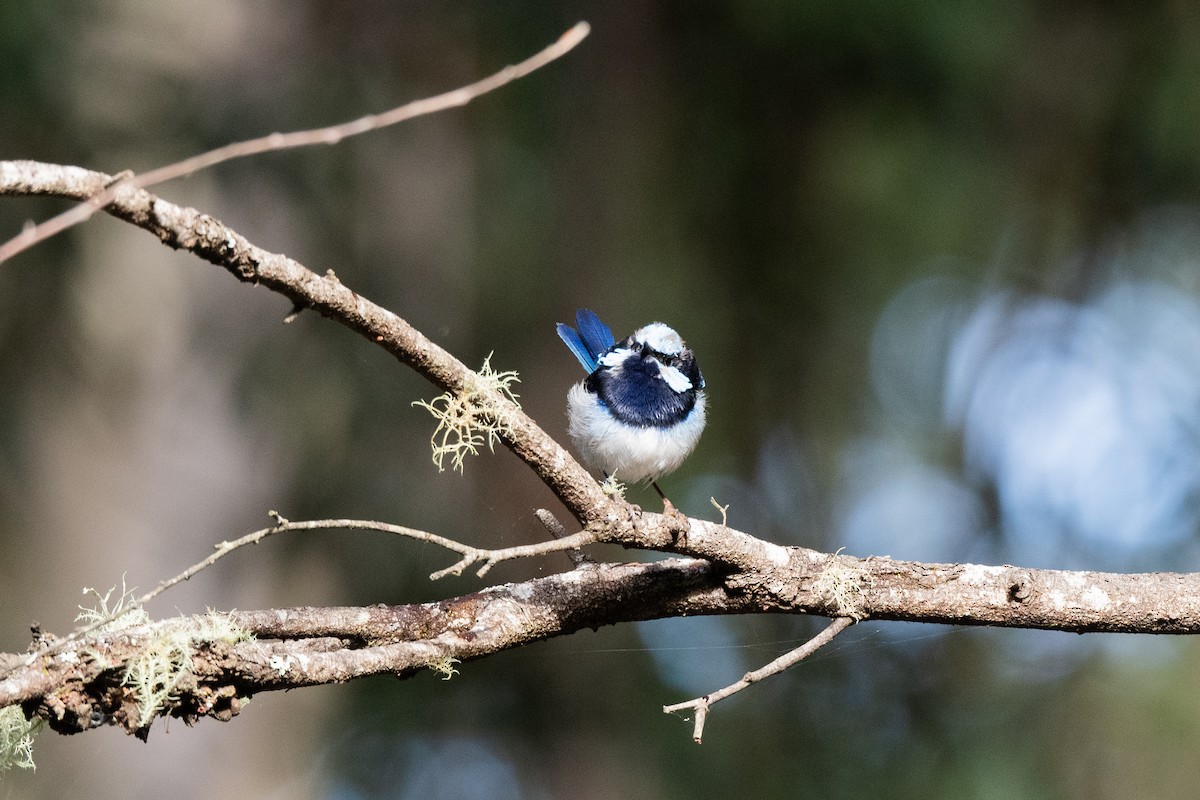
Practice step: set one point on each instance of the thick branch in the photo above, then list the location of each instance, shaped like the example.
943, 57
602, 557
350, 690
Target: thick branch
305, 646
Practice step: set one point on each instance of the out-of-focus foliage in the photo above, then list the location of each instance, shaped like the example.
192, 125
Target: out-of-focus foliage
941, 266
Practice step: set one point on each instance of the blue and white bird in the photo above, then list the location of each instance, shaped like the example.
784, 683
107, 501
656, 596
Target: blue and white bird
640, 411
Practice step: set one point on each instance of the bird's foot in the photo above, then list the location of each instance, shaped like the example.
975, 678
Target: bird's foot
677, 523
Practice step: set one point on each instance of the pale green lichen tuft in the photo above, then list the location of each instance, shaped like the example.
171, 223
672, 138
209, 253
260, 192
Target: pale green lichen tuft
155, 672
165, 660
468, 420
109, 614
613, 487
217, 627
16, 739
843, 586
445, 667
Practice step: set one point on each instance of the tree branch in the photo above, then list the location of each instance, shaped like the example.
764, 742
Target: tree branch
470, 555
88, 683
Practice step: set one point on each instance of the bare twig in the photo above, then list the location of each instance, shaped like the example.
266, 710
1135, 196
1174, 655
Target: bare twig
491, 558
703, 704
332, 134
724, 509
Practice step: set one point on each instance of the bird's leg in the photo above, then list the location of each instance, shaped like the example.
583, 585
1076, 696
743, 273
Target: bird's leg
677, 521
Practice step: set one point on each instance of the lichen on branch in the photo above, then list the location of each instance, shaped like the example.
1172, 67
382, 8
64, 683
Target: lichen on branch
471, 417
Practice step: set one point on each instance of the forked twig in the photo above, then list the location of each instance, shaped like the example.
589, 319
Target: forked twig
702, 704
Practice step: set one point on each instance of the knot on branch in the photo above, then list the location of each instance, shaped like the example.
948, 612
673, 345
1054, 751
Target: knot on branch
212, 239
1020, 587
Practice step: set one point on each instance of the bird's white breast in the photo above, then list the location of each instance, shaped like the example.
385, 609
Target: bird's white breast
632, 453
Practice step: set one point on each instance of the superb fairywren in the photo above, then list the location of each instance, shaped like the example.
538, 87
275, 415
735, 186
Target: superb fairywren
640, 411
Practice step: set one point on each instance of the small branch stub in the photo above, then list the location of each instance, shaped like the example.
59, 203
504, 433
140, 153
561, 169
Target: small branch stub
578, 557
1020, 589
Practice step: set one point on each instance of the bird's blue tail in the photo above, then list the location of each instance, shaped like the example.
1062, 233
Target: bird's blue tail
592, 340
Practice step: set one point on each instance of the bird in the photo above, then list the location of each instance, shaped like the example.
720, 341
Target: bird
641, 409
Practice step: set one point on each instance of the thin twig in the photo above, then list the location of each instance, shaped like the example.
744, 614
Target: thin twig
491, 558
331, 134
702, 704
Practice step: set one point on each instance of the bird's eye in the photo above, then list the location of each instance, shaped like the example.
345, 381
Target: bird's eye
671, 360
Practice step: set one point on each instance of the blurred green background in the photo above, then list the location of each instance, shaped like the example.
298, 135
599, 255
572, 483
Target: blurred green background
940, 264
